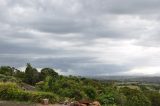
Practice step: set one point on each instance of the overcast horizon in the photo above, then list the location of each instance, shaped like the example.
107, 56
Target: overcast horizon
82, 37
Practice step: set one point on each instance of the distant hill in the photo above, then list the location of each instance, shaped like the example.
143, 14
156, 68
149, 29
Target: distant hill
149, 79
146, 79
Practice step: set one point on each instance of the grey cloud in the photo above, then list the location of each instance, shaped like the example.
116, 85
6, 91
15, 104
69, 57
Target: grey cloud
46, 16
62, 34
80, 66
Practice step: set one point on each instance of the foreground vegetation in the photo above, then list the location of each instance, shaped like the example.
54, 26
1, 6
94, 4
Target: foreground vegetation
11, 91
58, 88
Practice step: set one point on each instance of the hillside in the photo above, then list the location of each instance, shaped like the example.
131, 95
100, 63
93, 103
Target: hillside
34, 86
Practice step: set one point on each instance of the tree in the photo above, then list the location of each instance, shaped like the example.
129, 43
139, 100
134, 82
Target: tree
31, 75
48, 72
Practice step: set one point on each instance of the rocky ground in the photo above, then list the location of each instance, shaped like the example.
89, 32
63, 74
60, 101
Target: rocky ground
12, 103
15, 103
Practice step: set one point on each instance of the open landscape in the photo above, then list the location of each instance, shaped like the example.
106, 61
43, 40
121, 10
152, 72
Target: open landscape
30, 88
79, 53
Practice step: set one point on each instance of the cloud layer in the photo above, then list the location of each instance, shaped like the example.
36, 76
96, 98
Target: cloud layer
82, 37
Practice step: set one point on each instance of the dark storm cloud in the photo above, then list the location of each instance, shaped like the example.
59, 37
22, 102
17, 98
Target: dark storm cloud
80, 36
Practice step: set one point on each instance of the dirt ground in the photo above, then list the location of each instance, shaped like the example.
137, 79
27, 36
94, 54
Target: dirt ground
11, 103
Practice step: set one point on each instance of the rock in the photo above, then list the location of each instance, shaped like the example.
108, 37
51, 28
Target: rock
87, 102
75, 104
96, 103
83, 105
66, 102
45, 101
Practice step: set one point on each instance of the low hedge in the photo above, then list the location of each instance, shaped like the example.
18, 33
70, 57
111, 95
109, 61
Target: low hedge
10, 91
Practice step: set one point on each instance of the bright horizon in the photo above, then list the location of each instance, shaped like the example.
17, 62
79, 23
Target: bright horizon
82, 37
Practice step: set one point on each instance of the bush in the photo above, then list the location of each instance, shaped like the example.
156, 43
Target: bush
106, 99
10, 91
90, 91
135, 97
72, 93
154, 97
111, 97
6, 70
4, 78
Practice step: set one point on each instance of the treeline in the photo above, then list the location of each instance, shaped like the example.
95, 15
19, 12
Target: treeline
71, 88
30, 75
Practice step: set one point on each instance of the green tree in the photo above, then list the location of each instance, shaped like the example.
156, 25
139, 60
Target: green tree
31, 75
48, 72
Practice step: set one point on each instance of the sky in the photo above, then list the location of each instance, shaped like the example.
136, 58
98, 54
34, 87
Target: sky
82, 37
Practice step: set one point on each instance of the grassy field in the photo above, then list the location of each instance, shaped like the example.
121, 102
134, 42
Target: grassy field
129, 86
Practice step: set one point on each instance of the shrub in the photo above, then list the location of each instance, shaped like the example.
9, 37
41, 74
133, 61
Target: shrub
4, 78
6, 70
72, 93
111, 96
90, 91
106, 99
154, 97
10, 91
135, 97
